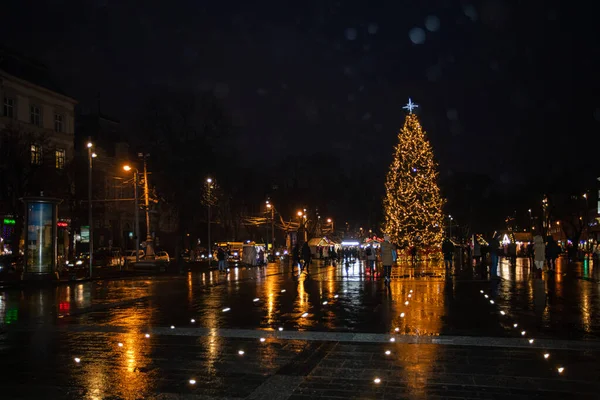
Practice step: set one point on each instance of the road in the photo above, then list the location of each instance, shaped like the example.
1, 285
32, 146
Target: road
269, 333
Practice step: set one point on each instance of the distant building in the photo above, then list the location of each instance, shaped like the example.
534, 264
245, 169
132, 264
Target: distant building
36, 135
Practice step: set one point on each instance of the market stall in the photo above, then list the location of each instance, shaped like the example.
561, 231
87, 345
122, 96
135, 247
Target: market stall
320, 247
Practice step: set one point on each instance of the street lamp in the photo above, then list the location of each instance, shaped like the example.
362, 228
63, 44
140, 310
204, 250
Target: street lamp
150, 255
300, 215
531, 219
305, 228
330, 221
136, 211
91, 156
209, 186
270, 207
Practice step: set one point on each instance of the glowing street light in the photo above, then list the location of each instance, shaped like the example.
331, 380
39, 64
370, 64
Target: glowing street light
302, 215
209, 187
91, 156
136, 209
272, 210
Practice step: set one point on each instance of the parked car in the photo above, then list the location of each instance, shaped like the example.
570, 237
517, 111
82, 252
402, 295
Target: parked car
11, 263
162, 256
109, 257
130, 255
80, 261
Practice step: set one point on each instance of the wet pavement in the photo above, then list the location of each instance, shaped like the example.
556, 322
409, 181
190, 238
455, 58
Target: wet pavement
307, 336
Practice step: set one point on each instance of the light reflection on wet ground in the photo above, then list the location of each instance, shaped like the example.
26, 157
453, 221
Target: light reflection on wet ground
441, 304
343, 298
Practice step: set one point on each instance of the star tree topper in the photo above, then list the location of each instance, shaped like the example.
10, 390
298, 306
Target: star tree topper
410, 106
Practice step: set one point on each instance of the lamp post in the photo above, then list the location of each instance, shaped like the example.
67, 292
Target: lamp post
300, 214
305, 216
91, 156
330, 221
209, 187
136, 211
450, 226
530, 220
149, 245
545, 221
305, 229
270, 207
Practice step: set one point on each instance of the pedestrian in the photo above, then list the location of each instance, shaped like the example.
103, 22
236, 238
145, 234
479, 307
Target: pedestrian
306, 255
448, 250
539, 250
494, 249
261, 257
221, 259
387, 258
296, 257
552, 253
413, 254
512, 253
530, 255
371, 257
477, 252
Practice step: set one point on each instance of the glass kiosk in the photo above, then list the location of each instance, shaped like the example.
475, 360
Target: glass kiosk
40, 238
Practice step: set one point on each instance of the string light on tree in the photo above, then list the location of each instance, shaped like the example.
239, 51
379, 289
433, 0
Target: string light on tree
413, 203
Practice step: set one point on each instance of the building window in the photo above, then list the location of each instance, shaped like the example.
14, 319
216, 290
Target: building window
58, 123
9, 107
35, 115
36, 154
60, 159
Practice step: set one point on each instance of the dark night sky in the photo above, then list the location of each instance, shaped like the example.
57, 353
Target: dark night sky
504, 86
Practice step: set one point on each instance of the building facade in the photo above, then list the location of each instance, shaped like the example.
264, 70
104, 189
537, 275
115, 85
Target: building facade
36, 140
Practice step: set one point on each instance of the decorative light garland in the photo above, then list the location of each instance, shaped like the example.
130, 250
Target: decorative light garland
559, 368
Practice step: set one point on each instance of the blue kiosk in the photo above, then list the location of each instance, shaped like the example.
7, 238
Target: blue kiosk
40, 238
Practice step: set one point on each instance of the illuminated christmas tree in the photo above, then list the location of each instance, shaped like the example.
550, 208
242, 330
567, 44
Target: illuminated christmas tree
413, 204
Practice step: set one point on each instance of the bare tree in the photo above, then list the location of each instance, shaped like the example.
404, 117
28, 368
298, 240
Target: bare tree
181, 132
28, 167
573, 213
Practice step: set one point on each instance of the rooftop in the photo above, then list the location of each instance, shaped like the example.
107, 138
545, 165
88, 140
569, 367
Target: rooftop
29, 70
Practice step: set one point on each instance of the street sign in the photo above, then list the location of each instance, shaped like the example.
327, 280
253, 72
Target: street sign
85, 234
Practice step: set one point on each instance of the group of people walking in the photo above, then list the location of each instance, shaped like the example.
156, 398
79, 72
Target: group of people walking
302, 257
539, 251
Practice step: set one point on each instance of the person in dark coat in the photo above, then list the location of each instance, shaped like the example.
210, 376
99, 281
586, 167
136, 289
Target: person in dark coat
448, 250
494, 250
306, 255
296, 257
552, 252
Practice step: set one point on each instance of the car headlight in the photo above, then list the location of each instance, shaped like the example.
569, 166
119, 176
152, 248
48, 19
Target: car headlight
79, 262
235, 254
